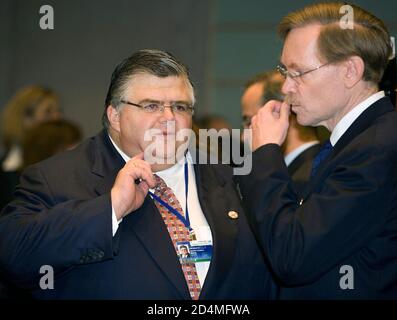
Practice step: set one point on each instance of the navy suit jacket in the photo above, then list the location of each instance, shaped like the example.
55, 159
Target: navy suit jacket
62, 217
300, 168
345, 220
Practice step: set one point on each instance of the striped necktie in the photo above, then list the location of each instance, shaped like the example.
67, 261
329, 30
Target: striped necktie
177, 231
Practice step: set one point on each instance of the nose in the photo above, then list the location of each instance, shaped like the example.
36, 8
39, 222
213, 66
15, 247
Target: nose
168, 114
289, 86
56, 115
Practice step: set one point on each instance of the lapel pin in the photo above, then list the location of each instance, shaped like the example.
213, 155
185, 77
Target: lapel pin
233, 215
300, 202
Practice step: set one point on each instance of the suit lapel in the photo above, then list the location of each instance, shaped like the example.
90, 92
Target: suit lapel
211, 193
146, 223
106, 162
363, 122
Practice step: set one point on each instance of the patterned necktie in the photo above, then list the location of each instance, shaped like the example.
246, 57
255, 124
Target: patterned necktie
321, 156
177, 231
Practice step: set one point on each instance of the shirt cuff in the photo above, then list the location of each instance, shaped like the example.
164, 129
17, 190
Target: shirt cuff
115, 223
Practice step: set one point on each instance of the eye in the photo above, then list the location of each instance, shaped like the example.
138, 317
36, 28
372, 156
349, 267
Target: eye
181, 108
295, 74
151, 107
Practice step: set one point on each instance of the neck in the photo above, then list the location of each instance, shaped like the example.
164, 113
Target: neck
155, 166
161, 167
352, 101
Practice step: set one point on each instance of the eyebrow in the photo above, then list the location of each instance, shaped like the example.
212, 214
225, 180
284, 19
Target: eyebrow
292, 66
149, 101
157, 101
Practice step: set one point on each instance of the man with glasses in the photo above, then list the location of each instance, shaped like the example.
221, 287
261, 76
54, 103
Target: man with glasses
108, 217
338, 240
301, 143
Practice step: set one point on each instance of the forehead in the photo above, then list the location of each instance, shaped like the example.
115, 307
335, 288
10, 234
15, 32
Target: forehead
48, 101
253, 93
147, 86
300, 46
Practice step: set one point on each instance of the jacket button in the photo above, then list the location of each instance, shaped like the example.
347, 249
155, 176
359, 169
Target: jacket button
233, 215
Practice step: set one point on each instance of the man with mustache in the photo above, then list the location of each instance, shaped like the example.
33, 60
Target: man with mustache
338, 240
109, 216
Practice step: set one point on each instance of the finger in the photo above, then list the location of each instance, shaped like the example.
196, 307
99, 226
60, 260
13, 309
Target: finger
144, 187
148, 170
285, 111
273, 105
140, 170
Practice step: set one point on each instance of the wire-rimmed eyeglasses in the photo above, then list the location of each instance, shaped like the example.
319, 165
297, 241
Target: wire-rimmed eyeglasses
295, 75
159, 107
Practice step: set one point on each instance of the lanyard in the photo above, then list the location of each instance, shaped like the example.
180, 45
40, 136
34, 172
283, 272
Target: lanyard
185, 220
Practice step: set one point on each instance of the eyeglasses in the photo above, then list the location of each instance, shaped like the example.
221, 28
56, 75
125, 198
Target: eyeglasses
159, 107
296, 75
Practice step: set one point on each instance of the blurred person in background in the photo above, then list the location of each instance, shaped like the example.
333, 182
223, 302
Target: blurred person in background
49, 138
41, 142
222, 134
301, 144
28, 107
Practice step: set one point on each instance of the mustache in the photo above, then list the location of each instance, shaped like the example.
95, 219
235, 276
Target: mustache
290, 100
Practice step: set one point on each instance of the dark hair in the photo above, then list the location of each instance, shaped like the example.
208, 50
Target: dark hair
258, 78
155, 62
271, 85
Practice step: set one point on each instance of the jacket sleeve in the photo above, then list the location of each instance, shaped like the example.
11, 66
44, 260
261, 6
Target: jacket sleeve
36, 229
303, 241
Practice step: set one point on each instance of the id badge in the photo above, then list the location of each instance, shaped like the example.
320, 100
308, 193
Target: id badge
194, 251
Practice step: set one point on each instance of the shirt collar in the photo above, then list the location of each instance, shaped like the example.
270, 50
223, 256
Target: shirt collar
122, 154
352, 115
295, 153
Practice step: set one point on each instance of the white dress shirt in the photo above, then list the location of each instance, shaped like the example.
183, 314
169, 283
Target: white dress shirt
296, 152
174, 177
352, 115
13, 160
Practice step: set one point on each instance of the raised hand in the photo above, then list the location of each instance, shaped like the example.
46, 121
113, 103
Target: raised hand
126, 195
270, 124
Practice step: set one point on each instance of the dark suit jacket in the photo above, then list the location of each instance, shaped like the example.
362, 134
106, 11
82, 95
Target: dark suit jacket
300, 168
347, 215
62, 217
8, 181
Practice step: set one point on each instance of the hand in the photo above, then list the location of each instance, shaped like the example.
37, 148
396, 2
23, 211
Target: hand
126, 195
270, 124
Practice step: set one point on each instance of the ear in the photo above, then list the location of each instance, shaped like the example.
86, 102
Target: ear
114, 117
354, 71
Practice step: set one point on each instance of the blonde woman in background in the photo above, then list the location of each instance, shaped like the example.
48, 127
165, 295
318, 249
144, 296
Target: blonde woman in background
28, 107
